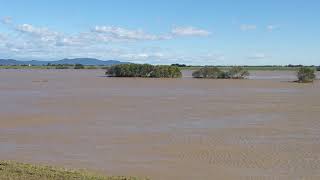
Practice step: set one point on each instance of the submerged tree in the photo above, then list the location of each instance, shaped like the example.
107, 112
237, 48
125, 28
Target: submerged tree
78, 66
143, 70
235, 72
306, 74
208, 72
61, 66
238, 72
165, 71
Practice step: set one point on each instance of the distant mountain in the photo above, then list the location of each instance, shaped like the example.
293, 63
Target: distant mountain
83, 61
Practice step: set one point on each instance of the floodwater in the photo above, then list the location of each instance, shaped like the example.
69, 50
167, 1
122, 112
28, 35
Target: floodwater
166, 129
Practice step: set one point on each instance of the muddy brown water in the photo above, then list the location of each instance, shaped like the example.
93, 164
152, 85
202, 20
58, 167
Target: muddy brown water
166, 129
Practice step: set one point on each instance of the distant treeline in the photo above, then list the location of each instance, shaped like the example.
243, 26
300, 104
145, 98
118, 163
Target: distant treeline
144, 70
64, 66
180, 66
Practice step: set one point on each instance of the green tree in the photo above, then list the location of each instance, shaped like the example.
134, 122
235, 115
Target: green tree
209, 72
165, 72
143, 70
60, 66
78, 66
306, 74
238, 72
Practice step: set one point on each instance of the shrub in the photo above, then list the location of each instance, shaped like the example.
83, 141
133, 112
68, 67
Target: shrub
318, 68
60, 66
208, 72
306, 74
237, 72
165, 72
143, 70
78, 66
179, 65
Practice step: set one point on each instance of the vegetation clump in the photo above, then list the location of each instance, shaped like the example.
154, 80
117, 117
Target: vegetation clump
61, 66
318, 68
208, 72
19, 171
179, 65
165, 72
143, 70
78, 66
306, 74
235, 72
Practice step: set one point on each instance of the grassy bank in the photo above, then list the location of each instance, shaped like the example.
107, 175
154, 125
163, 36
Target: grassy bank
20, 171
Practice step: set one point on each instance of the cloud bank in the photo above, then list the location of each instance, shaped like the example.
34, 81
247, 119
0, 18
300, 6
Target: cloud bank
26, 41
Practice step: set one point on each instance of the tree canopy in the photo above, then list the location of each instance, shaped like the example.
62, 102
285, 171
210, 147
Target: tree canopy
144, 70
235, 72
78, 66
306, 74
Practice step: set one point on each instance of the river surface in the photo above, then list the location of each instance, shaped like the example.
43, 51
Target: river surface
266, 127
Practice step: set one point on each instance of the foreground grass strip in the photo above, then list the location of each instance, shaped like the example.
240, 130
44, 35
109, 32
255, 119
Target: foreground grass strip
20, 171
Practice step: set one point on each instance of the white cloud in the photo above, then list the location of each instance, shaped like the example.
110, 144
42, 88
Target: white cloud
142, 56
27, 41
112, 33
272, 27
44, 34
6, 20
53, 38
189, 31
2, 37
99, 34
259, 56
248, 27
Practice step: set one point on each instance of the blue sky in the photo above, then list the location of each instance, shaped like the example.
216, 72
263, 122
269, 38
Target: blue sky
163, 32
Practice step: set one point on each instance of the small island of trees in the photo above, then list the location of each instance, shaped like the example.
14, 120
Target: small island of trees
235, 72
306, 74
78, 66
144, 71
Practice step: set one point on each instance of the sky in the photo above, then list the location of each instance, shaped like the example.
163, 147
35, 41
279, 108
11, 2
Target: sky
202, 32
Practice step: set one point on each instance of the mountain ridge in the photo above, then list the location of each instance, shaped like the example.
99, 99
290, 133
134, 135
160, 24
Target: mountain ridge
83, 61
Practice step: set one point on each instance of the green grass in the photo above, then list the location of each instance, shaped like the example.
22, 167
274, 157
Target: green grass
20, 171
